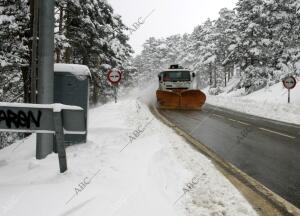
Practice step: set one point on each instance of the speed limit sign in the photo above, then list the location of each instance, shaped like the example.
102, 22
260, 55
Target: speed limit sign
114, 76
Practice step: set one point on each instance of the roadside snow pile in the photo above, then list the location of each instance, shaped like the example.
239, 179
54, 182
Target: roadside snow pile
131, 165
270, 102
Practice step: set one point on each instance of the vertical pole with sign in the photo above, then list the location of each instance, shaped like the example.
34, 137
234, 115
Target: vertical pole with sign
114, 77
116, 92
289, 83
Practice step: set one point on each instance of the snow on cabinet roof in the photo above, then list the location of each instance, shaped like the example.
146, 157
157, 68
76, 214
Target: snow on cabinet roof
75, 69
56, 107
177, 69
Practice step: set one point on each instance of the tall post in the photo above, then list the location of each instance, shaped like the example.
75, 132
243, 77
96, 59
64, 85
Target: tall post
225, 74
34, 50
60, 145
116, 92
289, 96
44, 145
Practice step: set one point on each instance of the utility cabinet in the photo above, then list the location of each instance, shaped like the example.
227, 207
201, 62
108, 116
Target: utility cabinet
71, 87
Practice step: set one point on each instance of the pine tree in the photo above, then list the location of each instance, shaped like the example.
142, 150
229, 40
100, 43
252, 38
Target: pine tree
14, 56
14, 50
225, 40
266, 40
97, 39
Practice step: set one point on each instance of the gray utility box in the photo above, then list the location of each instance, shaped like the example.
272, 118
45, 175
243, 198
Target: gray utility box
71, 87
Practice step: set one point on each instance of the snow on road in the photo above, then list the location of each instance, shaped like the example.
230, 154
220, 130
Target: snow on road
270, 102
131, 165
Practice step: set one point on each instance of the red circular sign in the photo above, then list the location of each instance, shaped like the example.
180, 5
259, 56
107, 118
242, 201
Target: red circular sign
114, 76
289, 82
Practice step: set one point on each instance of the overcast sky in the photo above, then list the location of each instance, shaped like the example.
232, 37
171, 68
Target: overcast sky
169, 16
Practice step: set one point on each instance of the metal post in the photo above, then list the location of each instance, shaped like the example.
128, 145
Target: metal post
116, 99
34, 50
60, 144
44, 145
289, 96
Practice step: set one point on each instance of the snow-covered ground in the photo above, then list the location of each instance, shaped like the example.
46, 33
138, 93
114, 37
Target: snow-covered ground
270, 102
131, 165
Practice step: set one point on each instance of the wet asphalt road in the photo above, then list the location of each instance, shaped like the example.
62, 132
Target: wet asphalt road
266, 150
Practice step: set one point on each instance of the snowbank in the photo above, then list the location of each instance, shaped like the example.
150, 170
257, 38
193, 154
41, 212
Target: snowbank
270, 102
131, 165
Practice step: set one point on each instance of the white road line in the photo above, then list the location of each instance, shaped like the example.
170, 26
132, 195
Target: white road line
232, 120
218, 115
282, 134
244, 123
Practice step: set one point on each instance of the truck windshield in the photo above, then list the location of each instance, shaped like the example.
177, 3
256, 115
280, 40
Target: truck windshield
174, 76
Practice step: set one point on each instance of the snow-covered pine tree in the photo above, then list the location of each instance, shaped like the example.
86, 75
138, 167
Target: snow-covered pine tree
225, 40
255, 42
266, 40
14, 50
285, 26
198, 52
152, 58
14, 56
61, 43
97, 39
185, 55
172, 49
208, 51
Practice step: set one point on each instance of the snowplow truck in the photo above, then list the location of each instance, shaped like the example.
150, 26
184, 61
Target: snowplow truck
176, 90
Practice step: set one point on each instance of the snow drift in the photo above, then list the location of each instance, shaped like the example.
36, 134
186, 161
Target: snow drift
131, 165
270, 102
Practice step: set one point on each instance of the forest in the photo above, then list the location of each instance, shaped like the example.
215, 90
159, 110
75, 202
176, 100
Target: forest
258, 41
86, 32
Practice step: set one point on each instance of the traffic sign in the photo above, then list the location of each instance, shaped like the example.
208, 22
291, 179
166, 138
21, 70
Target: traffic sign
114, 76
289, 82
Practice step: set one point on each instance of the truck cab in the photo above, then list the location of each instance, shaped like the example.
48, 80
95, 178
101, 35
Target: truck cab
176, 78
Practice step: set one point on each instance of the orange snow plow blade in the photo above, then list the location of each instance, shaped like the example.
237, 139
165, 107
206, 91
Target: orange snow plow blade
167, 99
188, 99
192, 99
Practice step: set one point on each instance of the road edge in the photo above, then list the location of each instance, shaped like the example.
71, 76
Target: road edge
249, 187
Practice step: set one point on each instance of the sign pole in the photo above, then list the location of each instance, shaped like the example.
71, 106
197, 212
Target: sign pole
44, 143
289, 83
116, 93
114, 77
34, 50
